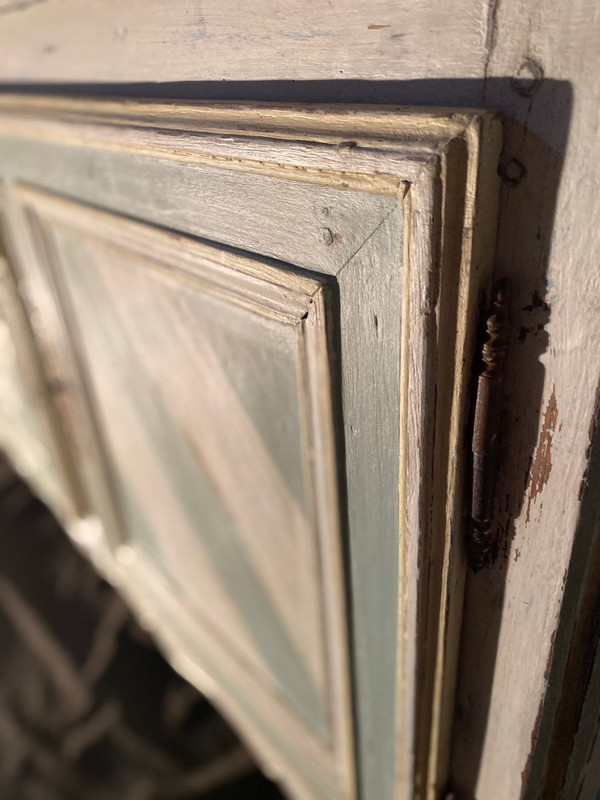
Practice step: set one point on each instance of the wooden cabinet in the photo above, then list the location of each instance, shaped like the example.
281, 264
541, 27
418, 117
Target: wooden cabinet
255, 326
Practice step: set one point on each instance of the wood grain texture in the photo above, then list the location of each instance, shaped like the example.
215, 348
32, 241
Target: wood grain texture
254, 573
371, 325
407, 189
478, 53
26, 438
29, 424
193, 201
513, 656
138, 41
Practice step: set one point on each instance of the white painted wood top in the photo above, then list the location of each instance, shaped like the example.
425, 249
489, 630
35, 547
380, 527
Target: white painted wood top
228, 40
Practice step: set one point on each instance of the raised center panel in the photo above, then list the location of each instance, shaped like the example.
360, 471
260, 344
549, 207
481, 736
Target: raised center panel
208, 383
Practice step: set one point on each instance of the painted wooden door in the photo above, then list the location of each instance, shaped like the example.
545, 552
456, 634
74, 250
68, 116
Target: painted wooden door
253, 324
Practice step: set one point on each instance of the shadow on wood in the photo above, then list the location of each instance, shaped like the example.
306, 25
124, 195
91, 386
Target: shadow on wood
537, 116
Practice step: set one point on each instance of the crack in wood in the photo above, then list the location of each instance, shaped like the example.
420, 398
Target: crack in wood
491, 28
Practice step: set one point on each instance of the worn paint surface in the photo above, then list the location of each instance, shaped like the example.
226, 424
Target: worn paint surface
541, 467
537, 61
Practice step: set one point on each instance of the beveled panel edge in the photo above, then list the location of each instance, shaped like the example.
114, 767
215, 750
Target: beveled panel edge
71, 504
277, 120
33, 454
249, 281
362, 147
301, 302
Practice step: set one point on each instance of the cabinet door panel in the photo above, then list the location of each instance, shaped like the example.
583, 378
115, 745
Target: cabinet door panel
269, 452
208, 378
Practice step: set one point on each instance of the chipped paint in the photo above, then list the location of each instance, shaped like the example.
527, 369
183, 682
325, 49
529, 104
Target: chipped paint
541, 466
374, 27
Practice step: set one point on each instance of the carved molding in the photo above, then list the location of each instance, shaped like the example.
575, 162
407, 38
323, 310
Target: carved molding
404, 187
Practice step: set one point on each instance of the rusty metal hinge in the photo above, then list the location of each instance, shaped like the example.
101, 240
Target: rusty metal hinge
485, 431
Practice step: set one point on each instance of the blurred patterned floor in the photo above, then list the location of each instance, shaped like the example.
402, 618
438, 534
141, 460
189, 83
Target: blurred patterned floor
89, 710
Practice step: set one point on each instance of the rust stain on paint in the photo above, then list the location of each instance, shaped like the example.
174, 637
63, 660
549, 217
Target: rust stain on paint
374, 27
541, 466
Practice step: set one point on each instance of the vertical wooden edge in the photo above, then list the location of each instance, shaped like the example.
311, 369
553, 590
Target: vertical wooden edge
404, 719
78, 425
72, 503
333, 578
451, 230
416, 423
483, 141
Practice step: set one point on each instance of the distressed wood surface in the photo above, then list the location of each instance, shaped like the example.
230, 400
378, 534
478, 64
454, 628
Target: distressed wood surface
370, 318
195, 202
29, 426
537, 62
26, 436
514, 649
273, 495
186, 41
423, 173
229, 520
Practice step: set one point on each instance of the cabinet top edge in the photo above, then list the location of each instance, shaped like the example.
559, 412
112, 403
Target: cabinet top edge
386, 122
